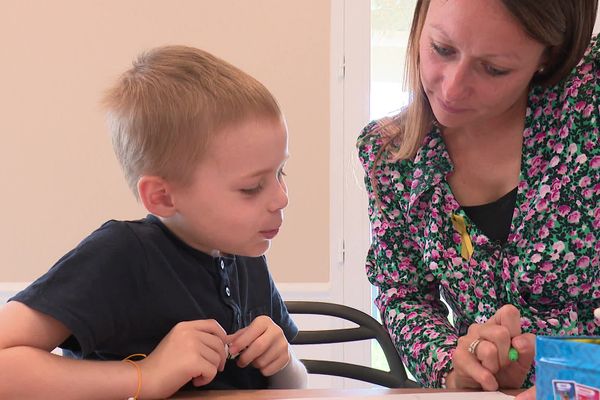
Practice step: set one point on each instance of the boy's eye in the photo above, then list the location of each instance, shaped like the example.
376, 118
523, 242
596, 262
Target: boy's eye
251, 191
441, 50
281, 173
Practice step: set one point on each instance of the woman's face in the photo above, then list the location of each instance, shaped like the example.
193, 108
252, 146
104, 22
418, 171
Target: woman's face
476, 61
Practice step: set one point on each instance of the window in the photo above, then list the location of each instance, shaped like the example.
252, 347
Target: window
390, 27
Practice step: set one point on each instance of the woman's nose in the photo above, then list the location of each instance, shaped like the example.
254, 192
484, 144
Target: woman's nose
456, 83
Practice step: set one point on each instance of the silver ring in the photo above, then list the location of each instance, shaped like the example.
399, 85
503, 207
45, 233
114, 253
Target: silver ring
473, 346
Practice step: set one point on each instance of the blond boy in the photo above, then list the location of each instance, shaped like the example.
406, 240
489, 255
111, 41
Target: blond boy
202, 146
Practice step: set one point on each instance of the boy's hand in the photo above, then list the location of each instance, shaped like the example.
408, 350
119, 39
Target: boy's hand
261, 344
191, 350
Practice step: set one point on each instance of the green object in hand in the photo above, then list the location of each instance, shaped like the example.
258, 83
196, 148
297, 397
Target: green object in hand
513, 354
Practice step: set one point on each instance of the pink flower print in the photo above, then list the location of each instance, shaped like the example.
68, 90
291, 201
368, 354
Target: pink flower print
558, 246
588, 110
562, 169
536, 258
581, 159
546, 266
551, 277
574, 290
462, 298
558, 148
563, 210
478, 293
583, 262
411, 315
544, 190
554, 162
569, 257
553, 321
525, 323
539, 247
590, 238
571, 279
580, 105
541, 324
586, 287
595, 162
586, 68
574, 217
543, 232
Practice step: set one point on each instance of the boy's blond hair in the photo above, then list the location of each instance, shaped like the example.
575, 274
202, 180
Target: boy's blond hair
163, 112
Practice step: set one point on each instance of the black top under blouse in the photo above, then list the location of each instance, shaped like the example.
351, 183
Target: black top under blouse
494, 219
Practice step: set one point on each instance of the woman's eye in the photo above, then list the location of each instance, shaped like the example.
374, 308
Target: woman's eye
493, 71
441, 50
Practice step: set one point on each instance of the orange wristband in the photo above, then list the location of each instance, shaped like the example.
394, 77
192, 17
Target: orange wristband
129, 360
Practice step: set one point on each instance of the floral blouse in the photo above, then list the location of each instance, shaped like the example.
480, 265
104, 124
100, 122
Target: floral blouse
549, 266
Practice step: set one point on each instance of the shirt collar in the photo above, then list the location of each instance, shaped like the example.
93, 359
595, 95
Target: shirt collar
431, 165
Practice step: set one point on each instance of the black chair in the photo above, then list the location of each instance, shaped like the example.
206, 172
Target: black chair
368, 328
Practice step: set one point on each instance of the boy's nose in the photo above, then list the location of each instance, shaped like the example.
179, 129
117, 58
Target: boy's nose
280, 200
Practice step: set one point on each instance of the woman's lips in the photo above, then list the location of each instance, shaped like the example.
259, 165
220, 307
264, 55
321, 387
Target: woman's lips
450, 109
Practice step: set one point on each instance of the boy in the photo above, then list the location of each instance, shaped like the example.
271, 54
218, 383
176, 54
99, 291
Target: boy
202, 146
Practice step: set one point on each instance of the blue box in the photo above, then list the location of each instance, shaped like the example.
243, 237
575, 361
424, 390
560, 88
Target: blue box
567, 368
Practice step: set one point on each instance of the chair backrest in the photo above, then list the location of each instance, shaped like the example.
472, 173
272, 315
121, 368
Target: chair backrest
368, 328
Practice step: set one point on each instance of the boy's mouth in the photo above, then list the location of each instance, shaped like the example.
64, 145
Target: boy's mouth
270, 234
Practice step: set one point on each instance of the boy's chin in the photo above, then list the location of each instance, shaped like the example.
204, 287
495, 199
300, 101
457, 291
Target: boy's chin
256, 251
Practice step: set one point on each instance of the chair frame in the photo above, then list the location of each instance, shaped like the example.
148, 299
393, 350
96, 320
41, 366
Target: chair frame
368, 328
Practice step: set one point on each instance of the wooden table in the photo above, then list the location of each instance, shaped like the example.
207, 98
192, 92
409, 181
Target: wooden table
295, 393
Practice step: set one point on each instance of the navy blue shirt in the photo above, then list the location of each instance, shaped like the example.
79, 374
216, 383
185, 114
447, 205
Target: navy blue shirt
124, 287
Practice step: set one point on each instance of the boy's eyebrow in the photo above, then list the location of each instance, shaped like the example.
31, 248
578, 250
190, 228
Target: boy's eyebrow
265, 170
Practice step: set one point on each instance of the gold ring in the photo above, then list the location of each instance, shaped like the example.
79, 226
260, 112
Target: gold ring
473, 346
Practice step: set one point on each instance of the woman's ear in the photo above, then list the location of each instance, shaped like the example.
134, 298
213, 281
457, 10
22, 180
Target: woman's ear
155, 195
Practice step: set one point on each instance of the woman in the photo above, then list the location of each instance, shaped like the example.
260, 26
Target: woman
483, 191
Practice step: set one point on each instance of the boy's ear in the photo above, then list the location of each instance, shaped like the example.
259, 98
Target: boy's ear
155, 195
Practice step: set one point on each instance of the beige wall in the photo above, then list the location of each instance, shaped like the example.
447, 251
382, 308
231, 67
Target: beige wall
59, 177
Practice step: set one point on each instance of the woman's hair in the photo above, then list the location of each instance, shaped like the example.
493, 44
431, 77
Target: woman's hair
563, 26
164, 110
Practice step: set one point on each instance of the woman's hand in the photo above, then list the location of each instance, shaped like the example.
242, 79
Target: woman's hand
261, 344
529, 394
481, 356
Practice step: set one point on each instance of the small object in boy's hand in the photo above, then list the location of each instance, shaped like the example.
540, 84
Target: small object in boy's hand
513, 354
229, 355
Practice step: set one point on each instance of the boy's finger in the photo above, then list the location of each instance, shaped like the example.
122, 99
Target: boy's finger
245, 338
209, 326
